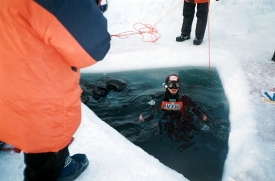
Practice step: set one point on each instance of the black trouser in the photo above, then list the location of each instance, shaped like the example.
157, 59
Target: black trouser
188, 16
273, 58
44, 166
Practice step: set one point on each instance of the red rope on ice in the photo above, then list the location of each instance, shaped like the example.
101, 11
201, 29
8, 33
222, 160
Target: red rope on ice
143, 30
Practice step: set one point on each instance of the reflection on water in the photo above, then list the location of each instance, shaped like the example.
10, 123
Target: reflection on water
196, 149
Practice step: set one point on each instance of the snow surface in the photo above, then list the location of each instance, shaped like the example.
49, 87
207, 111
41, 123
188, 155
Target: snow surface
239, 43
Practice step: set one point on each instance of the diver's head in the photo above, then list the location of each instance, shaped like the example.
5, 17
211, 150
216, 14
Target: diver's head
100, 90
172, 84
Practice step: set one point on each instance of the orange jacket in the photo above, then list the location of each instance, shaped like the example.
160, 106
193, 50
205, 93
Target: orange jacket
43, 43
197, 1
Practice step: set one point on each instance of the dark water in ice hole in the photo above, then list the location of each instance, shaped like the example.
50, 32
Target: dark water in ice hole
201, 153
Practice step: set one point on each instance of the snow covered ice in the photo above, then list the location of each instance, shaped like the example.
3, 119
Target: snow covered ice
239, 42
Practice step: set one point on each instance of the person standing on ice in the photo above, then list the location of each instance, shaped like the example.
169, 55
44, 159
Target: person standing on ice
44, 43
188, 16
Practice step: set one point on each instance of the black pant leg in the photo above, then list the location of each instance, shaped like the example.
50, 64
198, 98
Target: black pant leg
44, 166
188, 16
273, 58
202, 15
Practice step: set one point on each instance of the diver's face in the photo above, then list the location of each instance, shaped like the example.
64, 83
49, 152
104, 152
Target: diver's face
173, 90
173, 87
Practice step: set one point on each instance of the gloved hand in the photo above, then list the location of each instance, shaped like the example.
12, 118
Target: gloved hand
152, 102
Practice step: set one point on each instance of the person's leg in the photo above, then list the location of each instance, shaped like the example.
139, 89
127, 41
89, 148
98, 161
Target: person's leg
202, 14
188, 16
44, 166
273, 58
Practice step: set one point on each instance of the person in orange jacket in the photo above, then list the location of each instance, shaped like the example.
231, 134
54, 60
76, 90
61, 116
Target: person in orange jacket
188, 16
44, 43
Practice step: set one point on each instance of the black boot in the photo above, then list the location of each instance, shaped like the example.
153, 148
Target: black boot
182, 38
74, 166
197, 41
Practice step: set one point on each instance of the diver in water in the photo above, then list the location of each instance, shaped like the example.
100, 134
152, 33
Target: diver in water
101, 88
177, 111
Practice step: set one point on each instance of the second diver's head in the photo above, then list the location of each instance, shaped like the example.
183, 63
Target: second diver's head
172, 85
100, 90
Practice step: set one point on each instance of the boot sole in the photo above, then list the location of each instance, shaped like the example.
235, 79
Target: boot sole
182, 40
